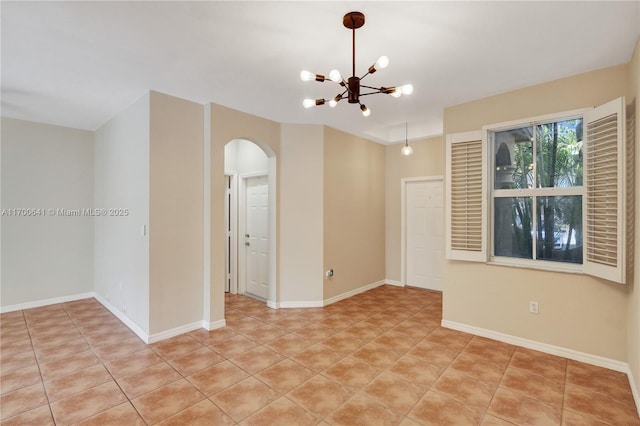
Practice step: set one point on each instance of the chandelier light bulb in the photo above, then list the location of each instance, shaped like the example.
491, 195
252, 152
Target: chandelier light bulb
396, 93
365, 111
407, 89
333, 102
382, 62
308, 103
335, 76
307, 76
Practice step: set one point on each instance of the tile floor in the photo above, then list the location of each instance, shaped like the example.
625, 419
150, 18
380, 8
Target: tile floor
377, 358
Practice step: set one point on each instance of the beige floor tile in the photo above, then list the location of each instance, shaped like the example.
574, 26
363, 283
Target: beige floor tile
217, 377
437, 409
133, 363
87, 403
16, 379
21, 400
166, 401
465, 389
256, 359
196, 360
351, 372
176, 346
40, 416
203, 413
320, 395
522, 410
281, 411
244, 398
122, 414
148, 379
361, 410
394, 392
62, 387
285, 375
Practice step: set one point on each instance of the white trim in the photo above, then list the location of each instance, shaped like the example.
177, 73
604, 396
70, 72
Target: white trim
302, 304
403, 219
273, 305
599, 361
394, 282
353, 292
122, 317
166, 334
45, 302
539, 119
214, 325
634, 388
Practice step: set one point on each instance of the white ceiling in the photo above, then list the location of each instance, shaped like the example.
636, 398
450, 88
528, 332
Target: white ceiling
77, 64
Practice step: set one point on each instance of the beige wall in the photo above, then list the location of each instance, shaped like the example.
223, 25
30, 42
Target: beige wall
228, 124
427, 160
175, 213
121, 271
45, 167
301, 214
633, 307
354, 235
578, 312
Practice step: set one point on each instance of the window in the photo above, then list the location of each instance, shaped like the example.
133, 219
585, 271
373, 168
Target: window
536, 199
547, 192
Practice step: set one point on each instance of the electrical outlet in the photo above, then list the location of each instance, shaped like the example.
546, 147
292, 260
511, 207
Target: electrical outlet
533, 307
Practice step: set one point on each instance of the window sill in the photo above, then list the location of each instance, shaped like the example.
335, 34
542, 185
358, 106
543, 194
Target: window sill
568, 268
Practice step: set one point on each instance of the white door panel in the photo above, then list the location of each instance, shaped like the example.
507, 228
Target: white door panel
257, 236
424, 226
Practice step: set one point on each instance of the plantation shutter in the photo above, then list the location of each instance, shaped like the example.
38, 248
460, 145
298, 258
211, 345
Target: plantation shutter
604, 181
466, 203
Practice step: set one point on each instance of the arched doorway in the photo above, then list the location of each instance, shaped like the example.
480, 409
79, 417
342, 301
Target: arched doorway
250, 219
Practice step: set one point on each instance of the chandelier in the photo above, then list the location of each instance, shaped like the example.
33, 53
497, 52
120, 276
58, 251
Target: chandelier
351, 87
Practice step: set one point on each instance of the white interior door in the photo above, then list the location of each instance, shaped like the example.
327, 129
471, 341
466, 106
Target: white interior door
256, 238
424, 202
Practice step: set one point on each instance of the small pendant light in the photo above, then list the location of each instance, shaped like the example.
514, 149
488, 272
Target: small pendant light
406, 149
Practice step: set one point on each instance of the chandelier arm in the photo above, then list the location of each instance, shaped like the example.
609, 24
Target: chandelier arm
370, 93
379, 89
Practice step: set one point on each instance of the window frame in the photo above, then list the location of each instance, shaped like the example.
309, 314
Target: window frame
489, 142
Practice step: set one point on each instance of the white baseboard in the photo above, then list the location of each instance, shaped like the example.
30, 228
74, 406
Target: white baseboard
393, 282
122, 317
166, 334
45, 302
273, 305
214, 325
353, 292
302, 304
587, 358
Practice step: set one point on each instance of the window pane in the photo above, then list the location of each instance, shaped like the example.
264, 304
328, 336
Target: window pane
512, 231
559, 230
514, 159
559, 154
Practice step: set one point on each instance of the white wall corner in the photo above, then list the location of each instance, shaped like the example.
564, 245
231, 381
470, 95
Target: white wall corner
214, 325
45, 302
273, 305
166, 334
122, 317
393, 282
353, 292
